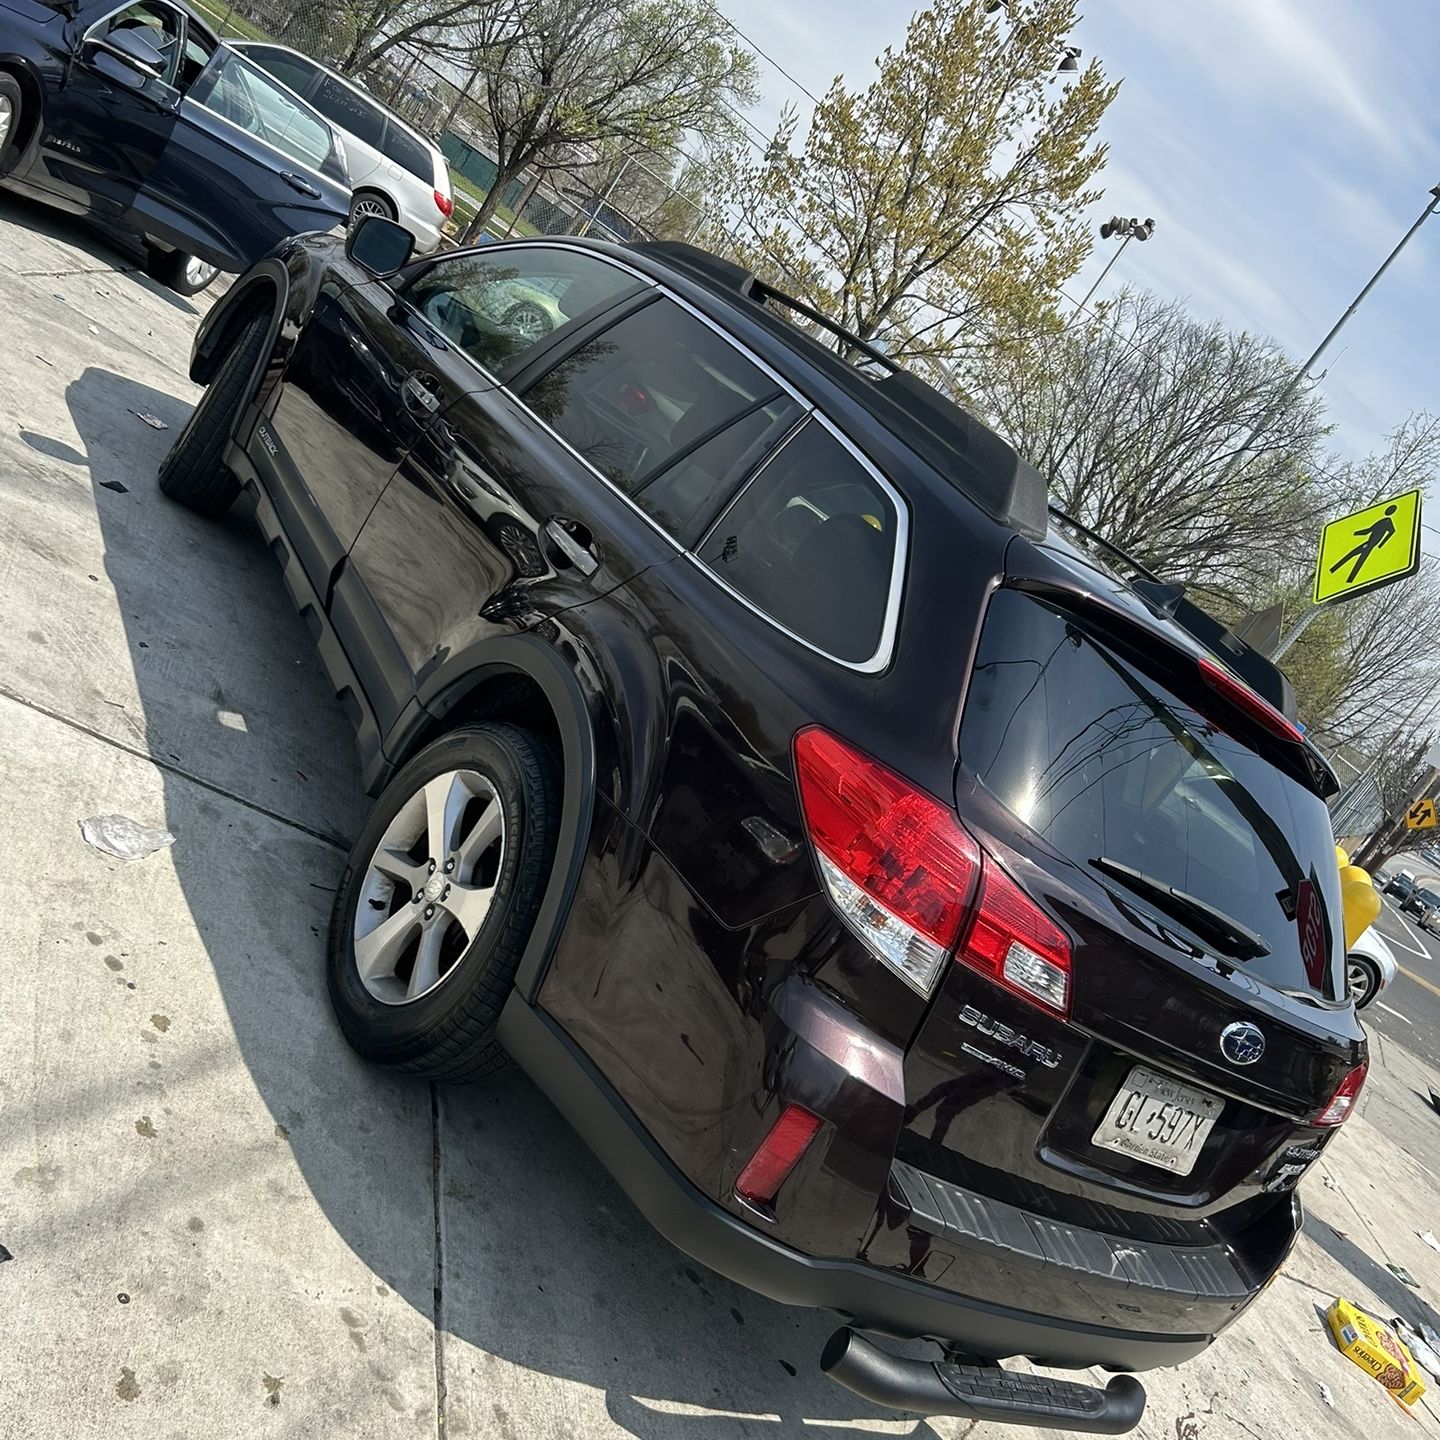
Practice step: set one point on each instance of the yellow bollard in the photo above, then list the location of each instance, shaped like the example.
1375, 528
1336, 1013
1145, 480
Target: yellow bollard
1360, 899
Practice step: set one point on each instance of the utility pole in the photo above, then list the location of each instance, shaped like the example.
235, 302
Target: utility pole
1298, 379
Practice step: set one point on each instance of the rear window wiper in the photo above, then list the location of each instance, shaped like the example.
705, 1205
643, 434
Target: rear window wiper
1221, 930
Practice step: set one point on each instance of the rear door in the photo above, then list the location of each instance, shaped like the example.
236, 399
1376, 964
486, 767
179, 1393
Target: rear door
250, 163
531, 496
1102, 792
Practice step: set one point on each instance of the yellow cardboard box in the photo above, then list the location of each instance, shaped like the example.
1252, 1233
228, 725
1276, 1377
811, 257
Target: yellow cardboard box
1377, 1350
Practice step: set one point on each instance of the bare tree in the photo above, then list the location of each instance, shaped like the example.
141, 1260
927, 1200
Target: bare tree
1134, 416
558, 75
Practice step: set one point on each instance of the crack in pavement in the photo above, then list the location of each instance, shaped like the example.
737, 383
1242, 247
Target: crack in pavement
439, 1312
324, 836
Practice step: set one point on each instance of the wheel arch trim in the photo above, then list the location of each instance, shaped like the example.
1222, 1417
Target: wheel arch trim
458, 680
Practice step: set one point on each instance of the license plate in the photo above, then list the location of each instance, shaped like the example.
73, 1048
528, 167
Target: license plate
1159, 1121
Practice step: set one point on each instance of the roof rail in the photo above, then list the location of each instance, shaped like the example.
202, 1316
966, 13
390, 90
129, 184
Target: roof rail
749, 286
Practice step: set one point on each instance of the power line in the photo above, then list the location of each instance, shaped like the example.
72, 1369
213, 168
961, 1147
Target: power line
769, 59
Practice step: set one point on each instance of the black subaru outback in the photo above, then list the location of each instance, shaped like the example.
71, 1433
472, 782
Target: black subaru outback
921, 916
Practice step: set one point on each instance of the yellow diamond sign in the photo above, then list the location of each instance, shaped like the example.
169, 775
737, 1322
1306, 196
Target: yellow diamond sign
1421, 815
1369, 548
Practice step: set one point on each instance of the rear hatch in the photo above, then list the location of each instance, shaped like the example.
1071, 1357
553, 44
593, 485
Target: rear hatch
1169, 824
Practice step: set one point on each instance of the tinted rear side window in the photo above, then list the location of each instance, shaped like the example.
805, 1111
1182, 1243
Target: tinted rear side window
686, 493
408, 153
645, 390
351, 112
812, 542
288, 69
1104, 762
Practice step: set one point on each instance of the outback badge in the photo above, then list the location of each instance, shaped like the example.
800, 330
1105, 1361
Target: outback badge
1242, 1043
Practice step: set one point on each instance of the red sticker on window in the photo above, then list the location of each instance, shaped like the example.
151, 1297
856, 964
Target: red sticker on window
1310, 917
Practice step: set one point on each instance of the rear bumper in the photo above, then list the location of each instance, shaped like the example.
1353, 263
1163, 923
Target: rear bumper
869, 1297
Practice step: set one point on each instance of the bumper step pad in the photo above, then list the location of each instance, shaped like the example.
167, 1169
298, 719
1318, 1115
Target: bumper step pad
981, 1392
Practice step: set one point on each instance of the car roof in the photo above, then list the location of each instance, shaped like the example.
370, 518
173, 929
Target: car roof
400, 120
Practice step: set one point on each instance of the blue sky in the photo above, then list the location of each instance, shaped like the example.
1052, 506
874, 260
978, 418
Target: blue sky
1283, 147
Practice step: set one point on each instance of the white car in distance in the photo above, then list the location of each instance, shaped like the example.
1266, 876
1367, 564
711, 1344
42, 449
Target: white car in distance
394, 170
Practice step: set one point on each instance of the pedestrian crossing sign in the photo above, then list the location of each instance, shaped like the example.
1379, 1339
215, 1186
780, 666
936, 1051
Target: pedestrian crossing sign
1369, 548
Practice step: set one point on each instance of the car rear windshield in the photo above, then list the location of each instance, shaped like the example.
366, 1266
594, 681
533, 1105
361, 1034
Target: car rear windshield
1109, 765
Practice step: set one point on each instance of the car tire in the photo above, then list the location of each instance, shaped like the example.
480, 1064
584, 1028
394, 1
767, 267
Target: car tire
436, 1017
193, 472
12, 116
1364, 979
182, 273
529, 321
370, 202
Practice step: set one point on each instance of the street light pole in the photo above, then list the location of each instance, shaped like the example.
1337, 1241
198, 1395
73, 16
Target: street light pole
1133, 230
1287, 394
1298, 379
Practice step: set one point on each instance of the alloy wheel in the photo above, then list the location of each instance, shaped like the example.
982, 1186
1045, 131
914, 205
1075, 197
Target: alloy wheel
1362, 981
199, 273
529, 323
367, 206
7, 120
429, 886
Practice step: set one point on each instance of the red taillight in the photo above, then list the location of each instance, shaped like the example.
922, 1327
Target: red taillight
1242, 697
778, 1155
896, 862
1342, 1103
903, 872
1015, 943
443, 203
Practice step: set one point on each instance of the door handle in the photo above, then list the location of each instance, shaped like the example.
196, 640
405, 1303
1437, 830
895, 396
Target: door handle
573, 541
418, 395
300, 183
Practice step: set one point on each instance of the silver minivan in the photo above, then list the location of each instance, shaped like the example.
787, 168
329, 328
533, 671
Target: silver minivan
394, 170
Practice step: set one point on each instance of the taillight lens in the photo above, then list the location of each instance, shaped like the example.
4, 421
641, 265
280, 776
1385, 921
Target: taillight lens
903, 873
778, 1155
896, 862
1014, 942
1342, 1104
443, 203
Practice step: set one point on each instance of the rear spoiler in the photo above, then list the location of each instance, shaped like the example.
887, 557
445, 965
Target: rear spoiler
1167, 598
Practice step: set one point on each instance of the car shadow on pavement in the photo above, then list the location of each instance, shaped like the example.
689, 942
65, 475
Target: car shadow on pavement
1396, 1297
110, 250
547, 1268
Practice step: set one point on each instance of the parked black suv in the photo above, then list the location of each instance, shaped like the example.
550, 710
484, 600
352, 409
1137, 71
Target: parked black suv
915, 916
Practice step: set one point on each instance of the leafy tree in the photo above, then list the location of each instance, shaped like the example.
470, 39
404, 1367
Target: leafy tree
559, 77
946, 196
1134, 416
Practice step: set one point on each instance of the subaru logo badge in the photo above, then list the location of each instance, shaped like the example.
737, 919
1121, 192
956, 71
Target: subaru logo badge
1242, 1043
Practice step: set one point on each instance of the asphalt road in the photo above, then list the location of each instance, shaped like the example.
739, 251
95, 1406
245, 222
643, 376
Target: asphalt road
1408, 1011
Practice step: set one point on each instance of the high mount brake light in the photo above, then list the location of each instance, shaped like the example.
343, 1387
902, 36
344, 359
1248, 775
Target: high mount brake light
1243, 698
904, 875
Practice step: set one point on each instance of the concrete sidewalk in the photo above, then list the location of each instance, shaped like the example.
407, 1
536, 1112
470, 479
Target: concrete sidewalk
223, 1225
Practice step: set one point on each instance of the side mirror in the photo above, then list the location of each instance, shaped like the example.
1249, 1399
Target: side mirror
127, 57
379, 245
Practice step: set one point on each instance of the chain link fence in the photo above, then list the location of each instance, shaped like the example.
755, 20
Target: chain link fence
627, 199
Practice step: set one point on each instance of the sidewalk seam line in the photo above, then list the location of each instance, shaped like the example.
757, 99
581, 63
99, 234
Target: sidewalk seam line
325, 837
439, 1308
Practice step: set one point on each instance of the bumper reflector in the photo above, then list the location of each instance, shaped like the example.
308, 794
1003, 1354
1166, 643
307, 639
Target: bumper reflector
777, 1156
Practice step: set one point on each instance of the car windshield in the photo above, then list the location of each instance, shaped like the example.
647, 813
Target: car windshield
1429, 897
245, 95
1110, 766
